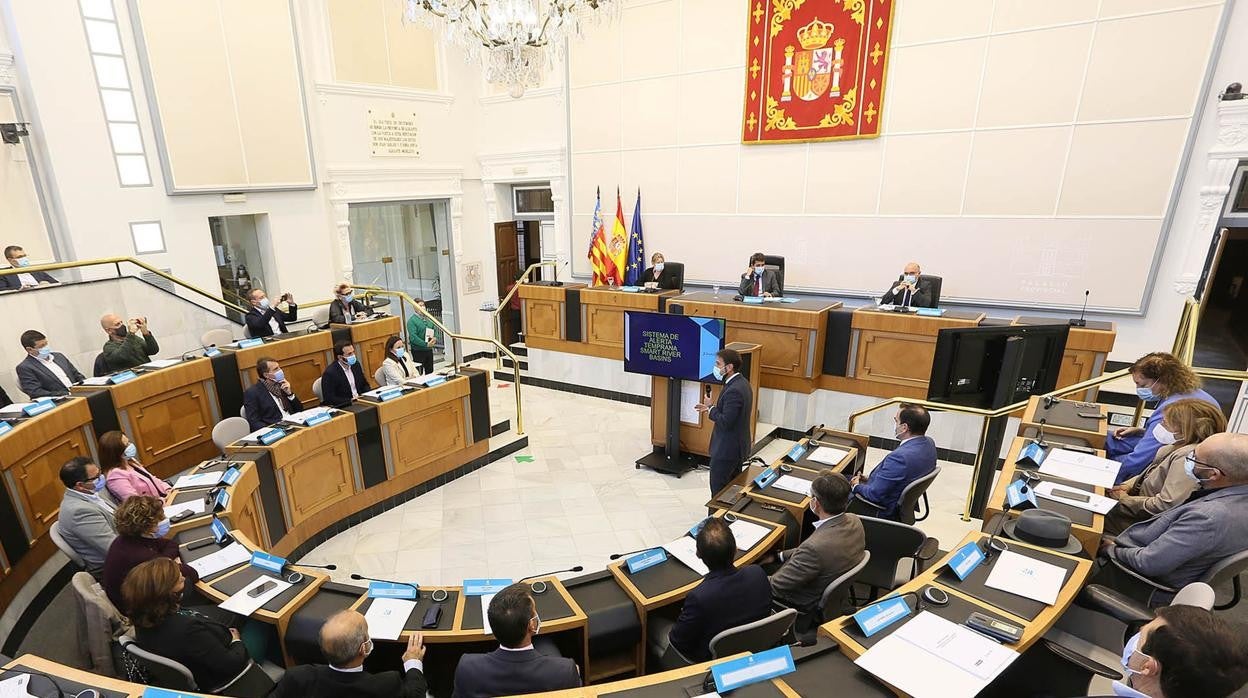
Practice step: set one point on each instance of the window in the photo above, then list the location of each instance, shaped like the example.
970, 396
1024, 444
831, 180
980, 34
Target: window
148, 237
113, 80
533, 202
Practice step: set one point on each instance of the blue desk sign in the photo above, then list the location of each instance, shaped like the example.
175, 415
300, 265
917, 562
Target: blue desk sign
931, 312
757, 667
119, 378
272, 435
966, 559
318, 418
5, 427
219, 532
648, 558
1020, 495
153, 692
630, 289
229, 477
482, 587
436, 380
756, 300
767, 477
878, 616
267, 562
38, 407
788, 299
386, 395
1032, 454
249, 343
798, 451
386, 590
222, 501
211, 352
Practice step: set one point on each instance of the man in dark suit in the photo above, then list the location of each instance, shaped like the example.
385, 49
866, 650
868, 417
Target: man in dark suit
659, 274
910, 289
271, 399
726, 598
758, 280
515, 667
730, 439
914, 458
17, 282
44, 373
265, 320
831, 550
343, 380
345, 644
345, 309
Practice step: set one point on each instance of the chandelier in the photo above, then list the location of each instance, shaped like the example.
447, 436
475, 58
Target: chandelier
514, 41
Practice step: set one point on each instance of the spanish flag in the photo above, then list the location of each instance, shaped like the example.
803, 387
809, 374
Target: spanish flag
618, 244
599, 258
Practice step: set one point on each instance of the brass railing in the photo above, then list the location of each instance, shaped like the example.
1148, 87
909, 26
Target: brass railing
502, 304
117, 262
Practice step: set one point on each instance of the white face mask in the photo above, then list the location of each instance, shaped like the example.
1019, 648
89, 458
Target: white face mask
1164, 436
658, 266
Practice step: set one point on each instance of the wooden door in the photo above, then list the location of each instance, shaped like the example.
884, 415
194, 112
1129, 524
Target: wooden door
507, 255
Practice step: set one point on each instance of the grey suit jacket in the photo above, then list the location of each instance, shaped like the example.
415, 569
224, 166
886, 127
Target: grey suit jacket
832, 550
37, 381
771, 284
87, 527
1179, 545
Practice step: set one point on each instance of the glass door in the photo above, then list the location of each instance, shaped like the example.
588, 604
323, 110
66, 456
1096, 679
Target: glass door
240, 265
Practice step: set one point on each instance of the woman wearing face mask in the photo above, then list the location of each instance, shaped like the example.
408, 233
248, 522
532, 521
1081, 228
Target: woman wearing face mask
1158, 376
660, 274
124, 475
345, 309
1164, 483
141, 531
395, 369
214, 653
422, 335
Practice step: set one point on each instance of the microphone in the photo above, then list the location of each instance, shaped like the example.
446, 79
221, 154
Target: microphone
358, 577
1040, 434
578, 568
616, 556
316, 567
989, 549
1080, 322
202, 347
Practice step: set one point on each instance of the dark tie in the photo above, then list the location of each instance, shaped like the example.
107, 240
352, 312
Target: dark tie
758, 285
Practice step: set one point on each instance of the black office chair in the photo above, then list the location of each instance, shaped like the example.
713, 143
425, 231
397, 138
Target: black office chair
908, 508
100, 368
889, 543
936, 283
776, 264
1225, 570
678, 270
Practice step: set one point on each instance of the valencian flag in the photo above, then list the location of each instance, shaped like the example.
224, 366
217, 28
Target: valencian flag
599, 258
636, 248
617, 243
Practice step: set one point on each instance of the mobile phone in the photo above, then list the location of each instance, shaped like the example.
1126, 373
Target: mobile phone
1071, 495
432, 616
996, 629
707, 389
1089, 414
200, 544
255, 593
180, 516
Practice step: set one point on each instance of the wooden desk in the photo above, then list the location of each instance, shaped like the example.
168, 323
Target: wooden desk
420, 429
1086, 351
1061, 418
792, 335
303, 359
168, 413
61, 671
369, 338
577, 319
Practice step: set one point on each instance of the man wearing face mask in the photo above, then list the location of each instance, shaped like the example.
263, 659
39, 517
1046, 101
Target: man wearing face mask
730, 439
44, 373
515, 667
270, 399
758, 280
910, 289
86, 521
345, 309
264, 319
346, 644
343, 380
659, 274
1180, 545
128, 345
15, 282
913, 458
1185, 652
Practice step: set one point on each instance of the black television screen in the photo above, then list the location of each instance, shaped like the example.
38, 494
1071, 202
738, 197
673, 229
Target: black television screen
968, 363
672, 346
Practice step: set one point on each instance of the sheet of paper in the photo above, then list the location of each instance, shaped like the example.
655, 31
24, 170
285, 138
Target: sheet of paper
690, 392
1080, 467
15, 408
162, 363
685, 550
225, 558
930, 657
485, 616
198, 480
428, 335
747, 533
1096, 503
244, 604
386, 617
255, 435
15, 687
827, 455
1025, 576
304, 416
791, 483
195, 506
96, 380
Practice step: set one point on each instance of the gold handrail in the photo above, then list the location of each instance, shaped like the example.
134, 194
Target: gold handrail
494, 317
117, 261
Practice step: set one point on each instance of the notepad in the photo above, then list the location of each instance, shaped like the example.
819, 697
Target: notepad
791, 483
225, 558
1080, 467
162, 363
1026, 576
386, 617
828, 455
747, 533
245, 604
931, 657
195, 506
685, 550
197, 480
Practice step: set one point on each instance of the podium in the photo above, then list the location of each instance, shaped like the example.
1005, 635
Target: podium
680, 437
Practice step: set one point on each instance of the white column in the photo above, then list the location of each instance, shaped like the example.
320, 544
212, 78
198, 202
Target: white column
1224, 156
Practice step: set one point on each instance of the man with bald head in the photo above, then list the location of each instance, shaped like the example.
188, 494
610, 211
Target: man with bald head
128, 345
910, 289
345, 643
1180, 545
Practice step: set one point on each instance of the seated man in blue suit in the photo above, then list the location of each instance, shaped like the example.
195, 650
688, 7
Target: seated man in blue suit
271, 398
515, 667
914, 458
343, 380
16, 282
726, 598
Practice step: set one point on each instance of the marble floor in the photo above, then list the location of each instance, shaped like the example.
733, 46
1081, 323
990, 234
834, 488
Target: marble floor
571, 497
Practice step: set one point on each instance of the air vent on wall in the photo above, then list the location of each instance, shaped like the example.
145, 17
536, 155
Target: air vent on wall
157, 280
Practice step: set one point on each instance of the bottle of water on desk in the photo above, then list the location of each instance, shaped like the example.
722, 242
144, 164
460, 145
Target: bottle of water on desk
716, 289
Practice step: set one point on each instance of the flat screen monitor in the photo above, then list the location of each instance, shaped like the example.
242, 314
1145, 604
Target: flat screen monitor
969, 360
672, 346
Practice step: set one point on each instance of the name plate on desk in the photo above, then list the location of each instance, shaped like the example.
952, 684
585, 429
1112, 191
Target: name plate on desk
271, 435
229, 477
38, 407
386, 590
878, 616
435, 380
119, 378
629, 289
753, 300
211, 352
5, 428
317, 418
767, 477
1020, 495
387, 395
1032, 454
482, 587
757, 667
153, 692
642, 560
798, 452
249, 343
219, 533
931, 312
966, 560
222, 501
267, 562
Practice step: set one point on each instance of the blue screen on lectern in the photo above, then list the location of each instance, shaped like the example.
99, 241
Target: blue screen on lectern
672, 346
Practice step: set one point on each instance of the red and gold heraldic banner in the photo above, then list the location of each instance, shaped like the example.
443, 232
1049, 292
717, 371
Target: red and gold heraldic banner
815, 69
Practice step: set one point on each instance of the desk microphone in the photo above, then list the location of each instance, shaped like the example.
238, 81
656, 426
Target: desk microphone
1040, 434
1080, 322
578, 568
183, 356
316, 567
616, 556
989, 548
358, 577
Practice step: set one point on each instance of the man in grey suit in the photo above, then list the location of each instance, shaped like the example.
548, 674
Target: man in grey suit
86, 520
44, 373
835, 546
1179, 545
758, 280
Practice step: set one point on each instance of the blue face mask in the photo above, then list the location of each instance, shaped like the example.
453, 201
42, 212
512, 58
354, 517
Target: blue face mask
279, 375
1146, 394
131, 451
348, 298
758, 271
910, 278
99, 484
400, 352
162, 528
351, 360
719, 373
1189, 467
45, 352
23, 262
658, 266
264, 303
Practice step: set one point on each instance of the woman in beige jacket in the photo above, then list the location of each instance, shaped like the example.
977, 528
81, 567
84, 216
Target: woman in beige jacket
1164, 483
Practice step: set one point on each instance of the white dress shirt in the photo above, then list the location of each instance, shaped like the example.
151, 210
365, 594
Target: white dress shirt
407, 666
57, 371
350, 378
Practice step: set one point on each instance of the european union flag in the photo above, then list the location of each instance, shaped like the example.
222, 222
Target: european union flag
636, 249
